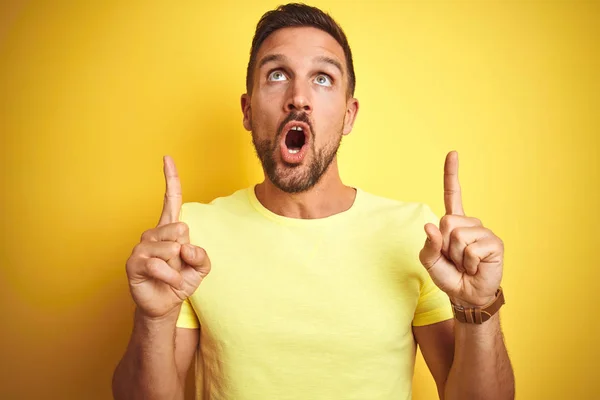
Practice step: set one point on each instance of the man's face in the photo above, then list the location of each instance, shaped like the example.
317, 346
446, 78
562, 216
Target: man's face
299, 108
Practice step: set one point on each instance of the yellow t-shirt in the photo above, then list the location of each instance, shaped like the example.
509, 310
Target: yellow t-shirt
309, 309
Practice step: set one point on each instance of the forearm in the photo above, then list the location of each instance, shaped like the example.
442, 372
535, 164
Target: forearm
481, 368
148, 369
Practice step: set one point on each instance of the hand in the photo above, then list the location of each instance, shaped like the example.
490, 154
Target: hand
463, 258
164, 269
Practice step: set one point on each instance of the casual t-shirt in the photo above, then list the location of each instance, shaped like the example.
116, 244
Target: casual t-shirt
309, 308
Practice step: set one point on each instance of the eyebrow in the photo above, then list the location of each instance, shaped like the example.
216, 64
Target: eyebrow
331, 61
282, 58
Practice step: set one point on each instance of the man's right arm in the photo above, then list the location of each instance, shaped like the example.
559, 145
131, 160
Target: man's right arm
157, 359
164, 270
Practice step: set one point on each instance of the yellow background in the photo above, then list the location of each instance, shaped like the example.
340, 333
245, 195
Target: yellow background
92, 96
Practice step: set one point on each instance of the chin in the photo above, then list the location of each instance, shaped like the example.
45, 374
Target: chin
292, 179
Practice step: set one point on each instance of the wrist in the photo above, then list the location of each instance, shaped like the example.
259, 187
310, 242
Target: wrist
467, 312
469, 304
157, 321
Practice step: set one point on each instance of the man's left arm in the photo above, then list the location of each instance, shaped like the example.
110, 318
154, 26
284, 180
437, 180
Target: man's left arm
465, 260
467, 361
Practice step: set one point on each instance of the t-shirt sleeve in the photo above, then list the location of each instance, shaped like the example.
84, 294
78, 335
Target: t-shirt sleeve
187, 316
433, 304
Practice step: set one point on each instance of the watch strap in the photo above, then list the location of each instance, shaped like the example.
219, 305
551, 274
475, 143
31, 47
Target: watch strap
478, 315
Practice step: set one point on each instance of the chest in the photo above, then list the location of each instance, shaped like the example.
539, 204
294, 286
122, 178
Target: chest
317, 291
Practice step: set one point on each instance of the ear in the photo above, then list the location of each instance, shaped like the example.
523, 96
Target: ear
350, 117
245, 102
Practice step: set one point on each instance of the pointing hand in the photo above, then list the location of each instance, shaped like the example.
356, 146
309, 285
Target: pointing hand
164, 269
463, 258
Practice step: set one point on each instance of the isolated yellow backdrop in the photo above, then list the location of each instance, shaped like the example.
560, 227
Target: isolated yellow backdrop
92, 96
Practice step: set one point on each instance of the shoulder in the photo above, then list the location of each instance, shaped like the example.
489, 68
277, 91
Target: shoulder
234, 203
395, 223
210, 222
405, 213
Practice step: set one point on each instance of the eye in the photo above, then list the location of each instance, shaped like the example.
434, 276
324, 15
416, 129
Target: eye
323, 80
276, 76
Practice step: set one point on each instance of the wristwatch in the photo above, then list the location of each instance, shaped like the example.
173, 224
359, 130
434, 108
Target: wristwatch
478, 315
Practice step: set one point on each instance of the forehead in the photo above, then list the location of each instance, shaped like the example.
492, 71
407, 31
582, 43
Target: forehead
301, 42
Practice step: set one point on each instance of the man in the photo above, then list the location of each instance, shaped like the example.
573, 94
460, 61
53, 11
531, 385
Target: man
315, 290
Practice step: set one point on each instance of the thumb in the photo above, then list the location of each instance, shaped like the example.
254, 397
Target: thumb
194, 256
432, 250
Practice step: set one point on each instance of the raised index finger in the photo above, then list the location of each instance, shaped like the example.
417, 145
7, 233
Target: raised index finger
452, 195
172, 202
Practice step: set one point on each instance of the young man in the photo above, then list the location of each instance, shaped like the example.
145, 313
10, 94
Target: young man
315, 288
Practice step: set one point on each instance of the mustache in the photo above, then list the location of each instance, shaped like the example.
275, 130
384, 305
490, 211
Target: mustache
296, 116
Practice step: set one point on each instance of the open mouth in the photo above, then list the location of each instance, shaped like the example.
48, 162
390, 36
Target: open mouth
295, 139
295, 143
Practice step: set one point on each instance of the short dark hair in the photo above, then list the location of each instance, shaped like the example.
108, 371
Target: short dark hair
298, 15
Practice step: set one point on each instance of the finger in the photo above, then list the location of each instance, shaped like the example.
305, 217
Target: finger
442, 272
456, 248
452, 193
166, 251
163, 250
462, 237
431, 251
196, 258
173, 199
158, 269
480, 251
449, 223
176, 232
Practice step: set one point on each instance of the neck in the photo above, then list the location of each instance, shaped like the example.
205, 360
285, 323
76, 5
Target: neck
328, 197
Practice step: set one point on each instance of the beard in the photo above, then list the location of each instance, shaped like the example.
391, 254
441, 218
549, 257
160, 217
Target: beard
295, 178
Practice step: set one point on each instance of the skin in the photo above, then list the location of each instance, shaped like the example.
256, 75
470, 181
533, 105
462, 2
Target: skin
163, 270
331, 110
463, 258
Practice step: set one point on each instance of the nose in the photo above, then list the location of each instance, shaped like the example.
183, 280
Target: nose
299, 99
